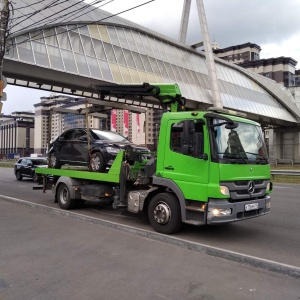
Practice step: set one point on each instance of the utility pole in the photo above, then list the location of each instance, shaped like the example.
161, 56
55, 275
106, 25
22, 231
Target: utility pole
3, 31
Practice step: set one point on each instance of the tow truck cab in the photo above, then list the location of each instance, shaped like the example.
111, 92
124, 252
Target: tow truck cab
217, 162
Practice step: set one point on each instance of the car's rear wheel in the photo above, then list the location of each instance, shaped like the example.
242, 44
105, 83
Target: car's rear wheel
54, 161
35, 177
96, 163
19, 176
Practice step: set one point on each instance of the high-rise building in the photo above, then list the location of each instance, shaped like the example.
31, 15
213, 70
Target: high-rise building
50, 123
239, 53
281, 69
16, 134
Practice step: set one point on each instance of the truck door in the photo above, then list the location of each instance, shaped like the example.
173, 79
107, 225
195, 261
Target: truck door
186, 159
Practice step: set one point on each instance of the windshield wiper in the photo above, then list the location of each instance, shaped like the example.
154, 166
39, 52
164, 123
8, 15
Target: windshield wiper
259, 156
240, 156
234, 156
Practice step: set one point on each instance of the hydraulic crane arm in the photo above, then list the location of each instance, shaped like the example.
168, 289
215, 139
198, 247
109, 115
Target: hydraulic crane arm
168, 95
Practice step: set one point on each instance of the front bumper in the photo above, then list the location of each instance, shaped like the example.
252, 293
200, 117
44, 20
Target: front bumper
238, 211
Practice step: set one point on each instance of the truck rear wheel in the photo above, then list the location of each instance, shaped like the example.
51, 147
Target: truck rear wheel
164, 213
63, 197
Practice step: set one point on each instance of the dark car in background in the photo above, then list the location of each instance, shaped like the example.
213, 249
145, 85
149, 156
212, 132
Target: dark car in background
71, 148
25, 167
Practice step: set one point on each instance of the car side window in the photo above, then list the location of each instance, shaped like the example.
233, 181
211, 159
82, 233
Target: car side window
24, 162
78, 133
68, 135
29, 161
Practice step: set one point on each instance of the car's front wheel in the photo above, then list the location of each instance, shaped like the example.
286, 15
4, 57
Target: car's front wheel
19, 176
54, 161
96, 162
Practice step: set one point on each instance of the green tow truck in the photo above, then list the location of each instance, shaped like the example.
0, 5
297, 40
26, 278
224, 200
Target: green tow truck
211, 167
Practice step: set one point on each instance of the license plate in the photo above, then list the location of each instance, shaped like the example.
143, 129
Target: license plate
251, 206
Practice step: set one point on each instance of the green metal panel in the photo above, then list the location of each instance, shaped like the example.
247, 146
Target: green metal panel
113, 175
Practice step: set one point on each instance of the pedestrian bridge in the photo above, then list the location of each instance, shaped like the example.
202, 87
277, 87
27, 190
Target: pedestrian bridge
54, 48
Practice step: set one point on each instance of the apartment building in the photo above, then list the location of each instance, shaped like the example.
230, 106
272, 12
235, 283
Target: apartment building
239, 53
49, 123
281, 69
16, 134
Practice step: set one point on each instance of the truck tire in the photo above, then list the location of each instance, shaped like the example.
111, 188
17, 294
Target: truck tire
164, 213
63, 197
96, 162
19, 176
54, 161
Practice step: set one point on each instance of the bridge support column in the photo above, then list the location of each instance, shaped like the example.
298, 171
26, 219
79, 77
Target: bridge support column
284, 143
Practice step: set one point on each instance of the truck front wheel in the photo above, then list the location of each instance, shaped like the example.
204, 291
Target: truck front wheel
164, 213
63, 197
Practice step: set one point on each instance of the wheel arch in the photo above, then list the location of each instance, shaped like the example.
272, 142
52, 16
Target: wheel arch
167, 185
71, 183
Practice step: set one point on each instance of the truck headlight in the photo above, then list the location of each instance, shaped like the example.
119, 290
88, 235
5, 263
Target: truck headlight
221, 212
224, 190
112, 150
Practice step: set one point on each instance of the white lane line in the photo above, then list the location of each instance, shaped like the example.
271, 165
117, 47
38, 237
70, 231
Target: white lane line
282, 187
253, 261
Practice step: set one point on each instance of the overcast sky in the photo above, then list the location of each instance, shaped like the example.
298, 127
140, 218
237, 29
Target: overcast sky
273, 25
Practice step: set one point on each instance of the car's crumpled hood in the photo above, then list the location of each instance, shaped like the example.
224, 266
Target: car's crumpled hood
123, 145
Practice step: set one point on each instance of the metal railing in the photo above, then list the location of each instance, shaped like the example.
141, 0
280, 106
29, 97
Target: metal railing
285, 172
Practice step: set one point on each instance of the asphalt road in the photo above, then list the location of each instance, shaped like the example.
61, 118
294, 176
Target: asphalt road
274, 237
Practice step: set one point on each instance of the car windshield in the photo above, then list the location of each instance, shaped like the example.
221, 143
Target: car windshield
110, 136
38, 162
244, 144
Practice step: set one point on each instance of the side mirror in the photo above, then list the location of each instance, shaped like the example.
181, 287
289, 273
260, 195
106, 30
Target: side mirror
231, 125
186, 149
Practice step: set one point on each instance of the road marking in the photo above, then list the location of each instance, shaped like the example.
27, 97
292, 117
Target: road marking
282, 187
245, 259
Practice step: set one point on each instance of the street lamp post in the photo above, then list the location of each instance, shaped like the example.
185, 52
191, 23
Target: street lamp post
3, 31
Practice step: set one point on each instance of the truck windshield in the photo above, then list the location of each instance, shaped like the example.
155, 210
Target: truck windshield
243, 144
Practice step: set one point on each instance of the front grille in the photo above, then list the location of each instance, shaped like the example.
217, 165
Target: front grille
245, 192
239, 190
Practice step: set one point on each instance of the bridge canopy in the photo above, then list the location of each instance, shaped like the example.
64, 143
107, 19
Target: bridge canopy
67, 46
